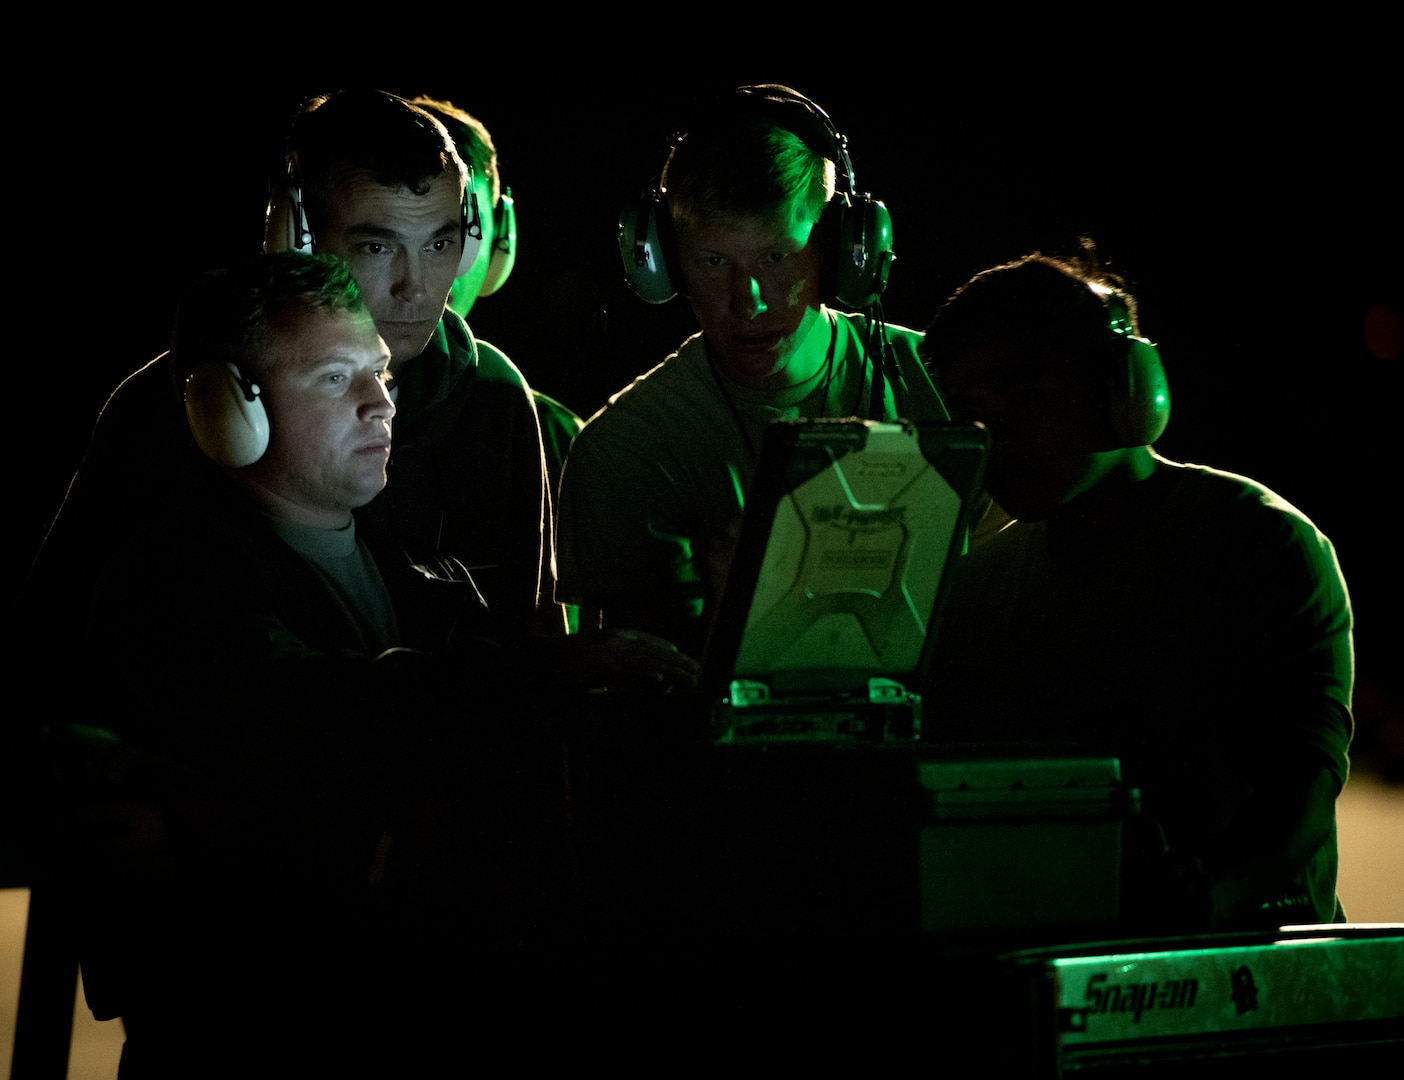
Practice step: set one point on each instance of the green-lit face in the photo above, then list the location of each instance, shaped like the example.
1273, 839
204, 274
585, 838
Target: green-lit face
403, 250
754, 286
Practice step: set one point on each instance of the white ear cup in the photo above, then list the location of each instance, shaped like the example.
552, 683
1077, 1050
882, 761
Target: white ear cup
285, 226
226, 415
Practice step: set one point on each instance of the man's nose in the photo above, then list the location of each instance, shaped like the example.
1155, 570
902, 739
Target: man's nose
746, 296
376, 400
408, 283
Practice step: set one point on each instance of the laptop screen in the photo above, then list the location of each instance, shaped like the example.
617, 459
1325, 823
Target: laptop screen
840, 568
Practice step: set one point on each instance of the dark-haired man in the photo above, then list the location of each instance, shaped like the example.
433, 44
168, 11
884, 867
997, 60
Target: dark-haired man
490, 268
1187, 620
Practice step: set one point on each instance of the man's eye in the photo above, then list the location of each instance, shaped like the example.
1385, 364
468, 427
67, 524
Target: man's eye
442, 245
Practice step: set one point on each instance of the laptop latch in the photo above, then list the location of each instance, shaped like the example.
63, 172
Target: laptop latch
886, 692
747, 692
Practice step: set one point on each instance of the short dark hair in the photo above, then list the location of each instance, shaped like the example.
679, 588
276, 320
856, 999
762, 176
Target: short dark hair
398, 143
1059, 302
470, 136
229, 314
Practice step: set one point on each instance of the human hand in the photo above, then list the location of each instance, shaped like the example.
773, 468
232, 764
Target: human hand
625, 660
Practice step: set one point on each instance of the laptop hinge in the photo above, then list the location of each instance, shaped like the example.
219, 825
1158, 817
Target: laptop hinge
881, 691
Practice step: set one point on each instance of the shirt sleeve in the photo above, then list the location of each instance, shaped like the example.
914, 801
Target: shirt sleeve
625, 540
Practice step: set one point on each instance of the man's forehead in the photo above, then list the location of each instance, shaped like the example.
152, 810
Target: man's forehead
747, 231
360, 201
988, 356
1000, 362
325, 335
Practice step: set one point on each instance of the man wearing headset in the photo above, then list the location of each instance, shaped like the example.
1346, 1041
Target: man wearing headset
489, 270
1187, 620
246, 640
233, 640
496, 257
755, 220
375, 180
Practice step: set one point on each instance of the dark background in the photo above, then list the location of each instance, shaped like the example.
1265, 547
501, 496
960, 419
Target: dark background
1251, 199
